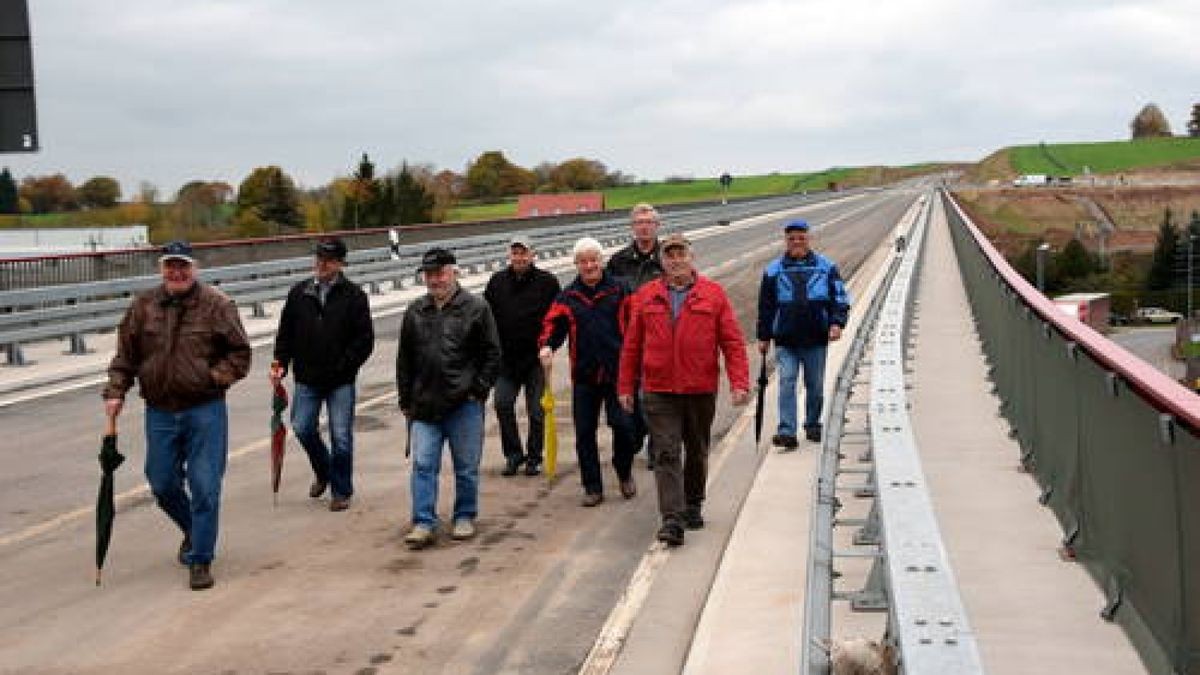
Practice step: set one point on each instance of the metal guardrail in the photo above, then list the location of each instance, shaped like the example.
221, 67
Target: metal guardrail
1113, 444
910, 575
73, 310
50, 270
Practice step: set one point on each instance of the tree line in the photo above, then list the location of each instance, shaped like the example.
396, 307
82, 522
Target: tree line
1150, 122
268, 200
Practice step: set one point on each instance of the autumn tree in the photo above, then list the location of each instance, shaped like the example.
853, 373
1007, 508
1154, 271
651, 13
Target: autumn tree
361, 207
1150, 122
99, 192
48, 194
267, 198
10, 198
202, 204
579, 174
491, 176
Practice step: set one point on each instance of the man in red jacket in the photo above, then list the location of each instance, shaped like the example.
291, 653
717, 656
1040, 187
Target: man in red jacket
679, 325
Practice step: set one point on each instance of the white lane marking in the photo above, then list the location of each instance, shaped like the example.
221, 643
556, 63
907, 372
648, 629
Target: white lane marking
133, 494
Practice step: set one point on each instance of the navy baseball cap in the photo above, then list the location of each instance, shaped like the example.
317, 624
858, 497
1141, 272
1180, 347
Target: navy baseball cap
331, 248
177, 250
797, 225
436, 258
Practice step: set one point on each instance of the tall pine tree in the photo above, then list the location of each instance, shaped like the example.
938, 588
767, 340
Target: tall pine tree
1162, 269
10, 197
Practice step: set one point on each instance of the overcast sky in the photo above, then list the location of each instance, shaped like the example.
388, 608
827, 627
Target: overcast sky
173, 90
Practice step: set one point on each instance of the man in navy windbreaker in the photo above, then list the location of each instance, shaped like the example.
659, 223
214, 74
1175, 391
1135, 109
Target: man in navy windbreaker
802, 307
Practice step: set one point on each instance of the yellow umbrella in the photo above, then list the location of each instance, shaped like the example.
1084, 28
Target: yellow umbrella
551, 434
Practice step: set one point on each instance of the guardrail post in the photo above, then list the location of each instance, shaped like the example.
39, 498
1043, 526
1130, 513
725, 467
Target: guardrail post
16, 357
78, 346
258, 310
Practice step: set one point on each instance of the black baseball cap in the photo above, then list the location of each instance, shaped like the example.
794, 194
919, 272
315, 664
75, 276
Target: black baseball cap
436, 258
330, 248
177, 250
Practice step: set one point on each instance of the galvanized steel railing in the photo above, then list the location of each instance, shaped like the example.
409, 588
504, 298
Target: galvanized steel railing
1111, 441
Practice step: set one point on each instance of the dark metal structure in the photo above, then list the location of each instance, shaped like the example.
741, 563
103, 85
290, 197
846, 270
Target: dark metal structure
18, 113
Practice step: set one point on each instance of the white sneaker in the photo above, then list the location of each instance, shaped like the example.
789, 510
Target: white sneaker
419, 537
463, 529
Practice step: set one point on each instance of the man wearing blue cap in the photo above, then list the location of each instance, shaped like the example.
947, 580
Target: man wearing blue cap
802, 307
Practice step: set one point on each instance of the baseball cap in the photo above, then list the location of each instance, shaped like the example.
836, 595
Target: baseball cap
177, 250
436, 258
796, 226
674, 240
522, 241
330, 248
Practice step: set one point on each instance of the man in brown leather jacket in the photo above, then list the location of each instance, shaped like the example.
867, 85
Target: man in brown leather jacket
185, 345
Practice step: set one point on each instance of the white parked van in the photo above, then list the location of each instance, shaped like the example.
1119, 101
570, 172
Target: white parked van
1031, 179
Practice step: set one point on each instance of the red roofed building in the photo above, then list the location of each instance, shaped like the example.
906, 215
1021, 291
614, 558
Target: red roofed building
559, 204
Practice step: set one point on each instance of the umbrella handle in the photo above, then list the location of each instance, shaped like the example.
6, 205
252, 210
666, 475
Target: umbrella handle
110, 426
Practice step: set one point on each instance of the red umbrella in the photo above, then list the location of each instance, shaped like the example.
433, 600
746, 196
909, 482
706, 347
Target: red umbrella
279, 403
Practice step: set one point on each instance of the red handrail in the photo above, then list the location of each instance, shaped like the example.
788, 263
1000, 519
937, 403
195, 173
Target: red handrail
1163, 392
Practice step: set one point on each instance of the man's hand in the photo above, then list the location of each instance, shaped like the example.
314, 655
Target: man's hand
112, 406
764, 346
740, 397
546, 356
626, 401
276, 373
835, 333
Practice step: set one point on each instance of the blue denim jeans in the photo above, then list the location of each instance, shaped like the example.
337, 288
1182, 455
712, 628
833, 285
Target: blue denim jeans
586, 401
505, 399
189, 445
337, 467
790, 360
462, 429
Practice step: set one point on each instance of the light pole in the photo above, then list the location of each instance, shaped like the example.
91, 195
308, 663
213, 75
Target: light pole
1042, 251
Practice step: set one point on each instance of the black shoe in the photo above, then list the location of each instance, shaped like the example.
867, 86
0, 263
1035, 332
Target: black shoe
649, 460
511, 465
199, 577
671, 533
533, 468
813, 434
185, 547
785, 441
692, 518
317, 488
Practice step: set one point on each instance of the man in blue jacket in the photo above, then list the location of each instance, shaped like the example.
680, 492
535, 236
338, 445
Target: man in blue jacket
802, 307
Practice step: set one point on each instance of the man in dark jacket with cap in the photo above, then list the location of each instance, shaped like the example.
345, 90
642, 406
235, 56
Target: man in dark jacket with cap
519, 296
325, 335
447, 362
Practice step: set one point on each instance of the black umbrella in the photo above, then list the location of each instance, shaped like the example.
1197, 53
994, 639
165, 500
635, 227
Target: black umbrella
762, 398
110, 459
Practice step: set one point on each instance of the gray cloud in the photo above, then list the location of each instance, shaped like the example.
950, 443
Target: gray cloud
168, 92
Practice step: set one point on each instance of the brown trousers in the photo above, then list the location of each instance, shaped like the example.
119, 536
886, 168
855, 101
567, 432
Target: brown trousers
679, 424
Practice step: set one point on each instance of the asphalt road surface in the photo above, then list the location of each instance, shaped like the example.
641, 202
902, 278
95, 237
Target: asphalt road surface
303, 590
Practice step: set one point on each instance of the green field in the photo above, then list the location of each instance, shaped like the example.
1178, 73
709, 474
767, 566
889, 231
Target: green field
700, 189
1108, 157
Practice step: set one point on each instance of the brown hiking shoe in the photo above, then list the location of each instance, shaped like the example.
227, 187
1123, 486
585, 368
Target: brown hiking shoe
199, 577
421, 536
339, 503
591, 499
628, 488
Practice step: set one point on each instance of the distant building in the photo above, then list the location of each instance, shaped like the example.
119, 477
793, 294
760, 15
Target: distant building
559, 204
33, 242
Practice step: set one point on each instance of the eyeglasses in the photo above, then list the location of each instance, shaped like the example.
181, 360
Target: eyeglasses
645, 222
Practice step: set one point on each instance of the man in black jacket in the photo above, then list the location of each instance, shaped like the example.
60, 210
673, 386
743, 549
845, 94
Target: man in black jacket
325, 335
636, 265
447, 362
519, 296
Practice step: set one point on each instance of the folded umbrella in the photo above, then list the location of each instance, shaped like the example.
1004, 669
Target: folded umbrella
279, 403
106, 510
550, 441
758, 404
